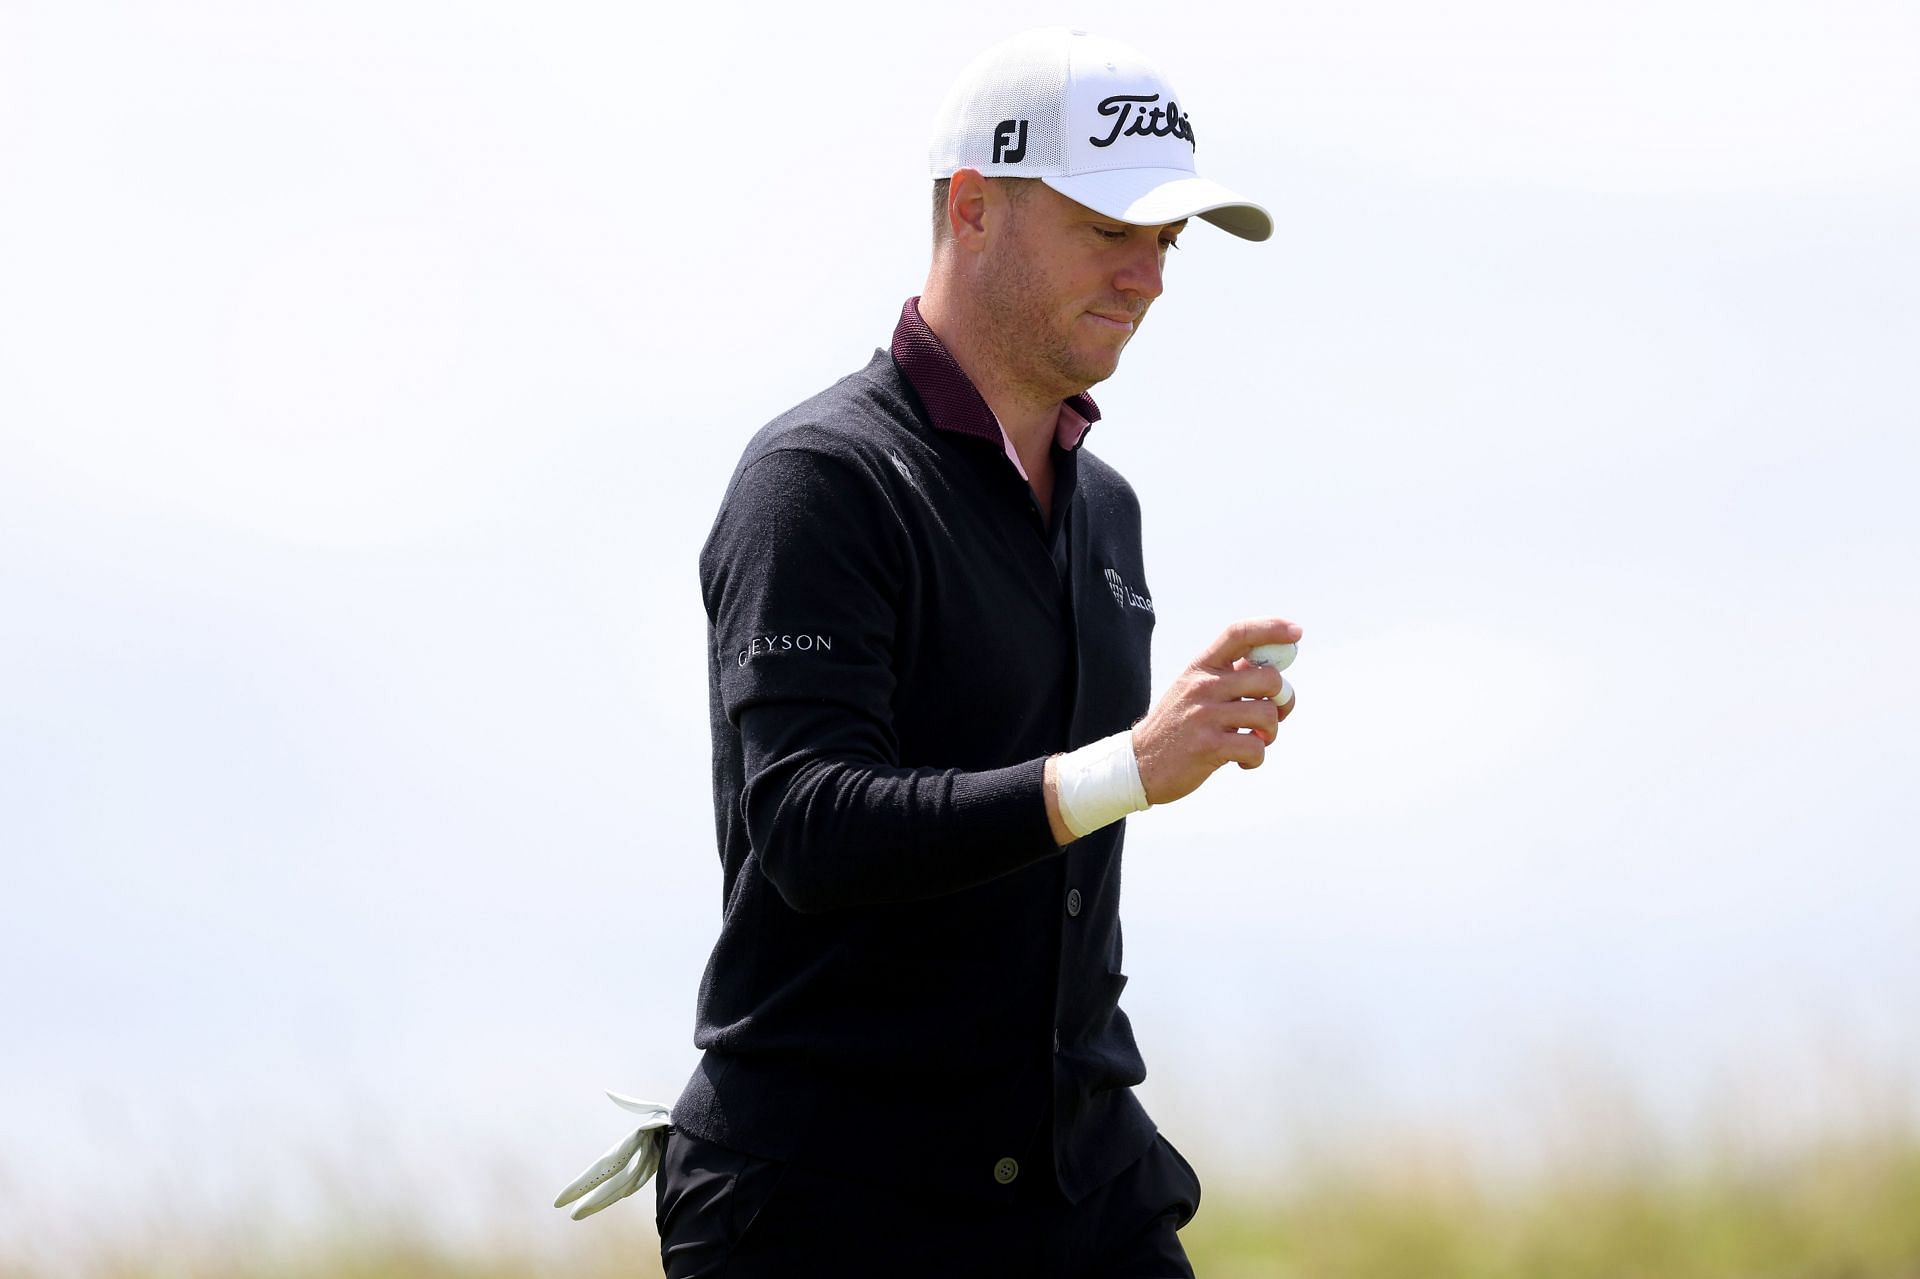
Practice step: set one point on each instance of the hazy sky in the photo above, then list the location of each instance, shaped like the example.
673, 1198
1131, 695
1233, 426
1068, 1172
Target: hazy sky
369, 375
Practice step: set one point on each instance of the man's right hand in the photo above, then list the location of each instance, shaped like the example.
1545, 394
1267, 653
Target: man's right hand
1219, 710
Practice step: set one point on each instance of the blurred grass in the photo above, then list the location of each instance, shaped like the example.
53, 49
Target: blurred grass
1841, 1208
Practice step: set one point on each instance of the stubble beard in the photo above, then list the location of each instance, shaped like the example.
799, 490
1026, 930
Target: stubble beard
1029, 346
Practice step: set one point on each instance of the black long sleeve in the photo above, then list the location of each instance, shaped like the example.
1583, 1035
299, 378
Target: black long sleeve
804, 573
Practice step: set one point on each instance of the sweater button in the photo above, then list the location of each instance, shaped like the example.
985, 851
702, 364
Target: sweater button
1073, 902
1006, 1170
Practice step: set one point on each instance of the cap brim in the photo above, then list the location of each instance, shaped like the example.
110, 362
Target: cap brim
1150, 197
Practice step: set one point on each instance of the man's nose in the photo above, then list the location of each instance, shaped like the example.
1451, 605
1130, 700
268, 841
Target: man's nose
1141, 273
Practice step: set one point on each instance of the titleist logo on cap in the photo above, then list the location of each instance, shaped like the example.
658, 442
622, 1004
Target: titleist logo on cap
1133, 120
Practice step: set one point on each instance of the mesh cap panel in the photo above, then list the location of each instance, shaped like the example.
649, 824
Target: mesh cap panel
1006, 114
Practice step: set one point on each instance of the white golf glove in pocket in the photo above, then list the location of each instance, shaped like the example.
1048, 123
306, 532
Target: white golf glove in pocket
626, 1167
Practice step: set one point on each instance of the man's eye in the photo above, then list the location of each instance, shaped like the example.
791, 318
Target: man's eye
1107, 234
1169, 244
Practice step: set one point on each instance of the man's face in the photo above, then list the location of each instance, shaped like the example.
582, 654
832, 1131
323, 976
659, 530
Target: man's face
1067, 288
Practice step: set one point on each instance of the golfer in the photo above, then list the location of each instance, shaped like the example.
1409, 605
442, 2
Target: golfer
929, 631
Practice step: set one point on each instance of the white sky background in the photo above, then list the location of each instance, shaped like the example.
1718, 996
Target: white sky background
369, 375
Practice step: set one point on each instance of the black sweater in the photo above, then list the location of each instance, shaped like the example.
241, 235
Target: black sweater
912, 982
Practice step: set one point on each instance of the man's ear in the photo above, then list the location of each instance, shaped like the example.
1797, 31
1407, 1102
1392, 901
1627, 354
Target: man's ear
970, 207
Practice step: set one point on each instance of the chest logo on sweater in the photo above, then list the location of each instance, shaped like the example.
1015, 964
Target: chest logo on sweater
1124, 595
766, 645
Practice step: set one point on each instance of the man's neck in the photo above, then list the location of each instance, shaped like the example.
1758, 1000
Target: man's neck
1030, 418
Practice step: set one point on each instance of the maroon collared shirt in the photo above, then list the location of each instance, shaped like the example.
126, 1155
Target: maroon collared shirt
955, 404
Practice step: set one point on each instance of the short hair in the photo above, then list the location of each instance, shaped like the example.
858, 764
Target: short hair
940, 230
1016, 189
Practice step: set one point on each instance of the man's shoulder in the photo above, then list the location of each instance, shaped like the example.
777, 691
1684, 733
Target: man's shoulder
828, 464
1105, 488
852, 421
1095, 469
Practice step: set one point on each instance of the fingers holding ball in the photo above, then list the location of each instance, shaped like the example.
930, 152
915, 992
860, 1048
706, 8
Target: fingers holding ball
1279, 657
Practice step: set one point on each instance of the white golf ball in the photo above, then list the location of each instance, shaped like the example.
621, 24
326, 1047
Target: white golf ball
1278, 656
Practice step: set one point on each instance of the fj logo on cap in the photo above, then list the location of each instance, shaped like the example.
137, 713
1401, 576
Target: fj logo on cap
1010, 142
1161, 122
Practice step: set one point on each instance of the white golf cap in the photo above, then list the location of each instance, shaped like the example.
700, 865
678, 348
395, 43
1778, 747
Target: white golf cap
1091, 119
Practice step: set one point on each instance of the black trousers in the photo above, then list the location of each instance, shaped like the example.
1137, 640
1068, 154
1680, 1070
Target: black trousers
724, 1213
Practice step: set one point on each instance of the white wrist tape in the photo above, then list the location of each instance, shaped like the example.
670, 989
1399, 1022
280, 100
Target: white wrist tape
1099, 784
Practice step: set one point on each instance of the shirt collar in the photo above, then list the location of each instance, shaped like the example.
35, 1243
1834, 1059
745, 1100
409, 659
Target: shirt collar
955, 404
